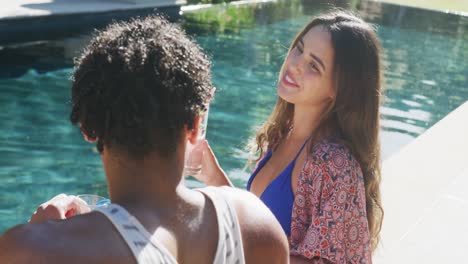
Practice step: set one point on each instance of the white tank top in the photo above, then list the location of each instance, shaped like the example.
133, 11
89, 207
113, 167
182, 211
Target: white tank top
146, 249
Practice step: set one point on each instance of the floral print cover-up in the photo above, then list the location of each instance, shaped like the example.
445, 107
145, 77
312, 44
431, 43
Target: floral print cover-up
329, 223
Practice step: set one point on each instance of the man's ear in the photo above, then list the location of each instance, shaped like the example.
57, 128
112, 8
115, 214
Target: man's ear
86, 137
192, 134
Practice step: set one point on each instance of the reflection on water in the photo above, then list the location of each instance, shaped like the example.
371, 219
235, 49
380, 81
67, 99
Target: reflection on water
41, 154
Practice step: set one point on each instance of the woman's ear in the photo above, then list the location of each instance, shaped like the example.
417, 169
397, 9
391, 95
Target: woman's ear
192, 134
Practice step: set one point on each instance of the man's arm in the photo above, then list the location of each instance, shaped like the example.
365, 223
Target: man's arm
22, 243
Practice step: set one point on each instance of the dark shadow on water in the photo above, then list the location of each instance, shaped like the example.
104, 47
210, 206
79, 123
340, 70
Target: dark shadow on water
41, 56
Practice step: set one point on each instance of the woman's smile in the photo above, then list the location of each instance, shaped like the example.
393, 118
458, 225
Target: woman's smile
289, 80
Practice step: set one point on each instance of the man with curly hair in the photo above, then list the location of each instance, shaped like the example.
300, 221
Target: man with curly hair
138, 91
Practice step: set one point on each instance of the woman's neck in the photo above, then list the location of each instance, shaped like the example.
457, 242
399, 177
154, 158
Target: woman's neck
306, 121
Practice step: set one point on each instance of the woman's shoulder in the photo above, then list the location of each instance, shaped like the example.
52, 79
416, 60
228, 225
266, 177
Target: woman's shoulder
331, 150
334, 157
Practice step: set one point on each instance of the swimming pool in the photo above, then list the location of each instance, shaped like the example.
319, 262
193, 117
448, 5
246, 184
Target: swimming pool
41, 154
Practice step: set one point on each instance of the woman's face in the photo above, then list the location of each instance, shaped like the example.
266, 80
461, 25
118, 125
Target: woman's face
308, 70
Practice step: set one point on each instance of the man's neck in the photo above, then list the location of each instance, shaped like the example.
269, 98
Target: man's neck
152, 180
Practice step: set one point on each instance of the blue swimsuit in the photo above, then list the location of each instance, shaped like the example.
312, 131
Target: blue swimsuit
278, 195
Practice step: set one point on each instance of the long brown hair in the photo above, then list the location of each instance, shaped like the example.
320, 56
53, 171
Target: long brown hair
354, 113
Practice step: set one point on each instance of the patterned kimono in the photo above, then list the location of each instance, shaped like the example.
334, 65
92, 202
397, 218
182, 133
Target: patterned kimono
329, 222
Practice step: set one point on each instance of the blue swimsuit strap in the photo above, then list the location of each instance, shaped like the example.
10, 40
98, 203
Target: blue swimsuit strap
267, 157
300, 150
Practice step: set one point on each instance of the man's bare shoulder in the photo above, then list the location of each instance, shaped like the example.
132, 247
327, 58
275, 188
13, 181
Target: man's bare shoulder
70, 241
27, 243
262, 235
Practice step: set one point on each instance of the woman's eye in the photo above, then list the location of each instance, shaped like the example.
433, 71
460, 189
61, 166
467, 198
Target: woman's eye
299, 49
313, 67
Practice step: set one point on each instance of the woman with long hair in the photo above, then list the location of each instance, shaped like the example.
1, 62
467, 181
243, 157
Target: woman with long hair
318, 166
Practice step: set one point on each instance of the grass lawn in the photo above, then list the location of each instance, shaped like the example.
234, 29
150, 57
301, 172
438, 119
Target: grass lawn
456, 6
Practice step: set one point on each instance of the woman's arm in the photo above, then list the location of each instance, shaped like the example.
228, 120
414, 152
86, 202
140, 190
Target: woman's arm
301, 260
212, 174
329, 218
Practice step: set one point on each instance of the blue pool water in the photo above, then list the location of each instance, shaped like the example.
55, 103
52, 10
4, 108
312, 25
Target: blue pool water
41, 154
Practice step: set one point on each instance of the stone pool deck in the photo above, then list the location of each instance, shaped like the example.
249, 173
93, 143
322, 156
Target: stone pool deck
20, 9
36, 20
425, 196
458, 7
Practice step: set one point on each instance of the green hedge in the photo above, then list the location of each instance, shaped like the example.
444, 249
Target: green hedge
232, 18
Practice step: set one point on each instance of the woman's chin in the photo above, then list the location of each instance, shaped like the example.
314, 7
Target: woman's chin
284, 94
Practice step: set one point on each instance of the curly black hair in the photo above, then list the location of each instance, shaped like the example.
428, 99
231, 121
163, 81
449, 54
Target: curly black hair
137, 84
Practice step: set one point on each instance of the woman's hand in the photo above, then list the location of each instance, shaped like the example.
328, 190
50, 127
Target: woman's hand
211, 174
60, 207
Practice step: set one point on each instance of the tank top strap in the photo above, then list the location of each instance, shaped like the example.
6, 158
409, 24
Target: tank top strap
145, 247
230, 249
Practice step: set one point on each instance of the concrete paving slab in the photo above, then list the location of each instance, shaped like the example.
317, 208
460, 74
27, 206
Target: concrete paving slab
425, 194
33, 8
441, 237
36, 20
